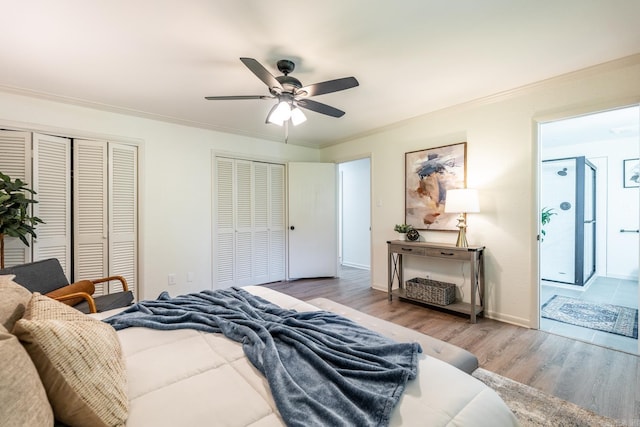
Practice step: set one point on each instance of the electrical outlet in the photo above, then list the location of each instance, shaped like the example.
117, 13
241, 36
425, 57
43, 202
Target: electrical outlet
171, 279
190, 276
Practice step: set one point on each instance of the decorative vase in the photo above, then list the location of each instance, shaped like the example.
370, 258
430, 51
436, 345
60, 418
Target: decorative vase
402, 236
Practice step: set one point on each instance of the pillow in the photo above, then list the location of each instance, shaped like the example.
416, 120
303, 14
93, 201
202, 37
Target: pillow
13, 300
24, 401
86, 286
79, 360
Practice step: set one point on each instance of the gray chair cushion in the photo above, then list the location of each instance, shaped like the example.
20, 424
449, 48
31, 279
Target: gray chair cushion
40, 276
107, 302
47, 275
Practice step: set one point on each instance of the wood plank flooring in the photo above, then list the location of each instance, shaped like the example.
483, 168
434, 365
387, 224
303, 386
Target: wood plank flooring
603, 380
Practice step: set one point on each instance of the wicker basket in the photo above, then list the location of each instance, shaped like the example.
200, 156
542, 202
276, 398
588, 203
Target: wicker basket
430, 291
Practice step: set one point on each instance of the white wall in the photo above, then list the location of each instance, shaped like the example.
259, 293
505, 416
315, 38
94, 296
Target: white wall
175, 180
355, 203
501, 163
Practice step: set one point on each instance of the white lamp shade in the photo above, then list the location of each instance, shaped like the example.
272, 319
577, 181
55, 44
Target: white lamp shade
280, 114
297, 116
462, 200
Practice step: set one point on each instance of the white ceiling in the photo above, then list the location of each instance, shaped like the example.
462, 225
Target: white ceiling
159, 58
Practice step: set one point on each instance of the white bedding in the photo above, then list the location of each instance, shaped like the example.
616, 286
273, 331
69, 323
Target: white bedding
191, 378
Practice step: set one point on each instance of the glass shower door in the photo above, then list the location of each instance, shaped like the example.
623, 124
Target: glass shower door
589, 233
558, 200
567, 249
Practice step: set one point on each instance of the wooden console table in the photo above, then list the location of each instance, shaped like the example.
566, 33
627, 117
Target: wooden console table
473, 254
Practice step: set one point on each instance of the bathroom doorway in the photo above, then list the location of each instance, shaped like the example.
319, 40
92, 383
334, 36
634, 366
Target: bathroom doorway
589, 227
354, 218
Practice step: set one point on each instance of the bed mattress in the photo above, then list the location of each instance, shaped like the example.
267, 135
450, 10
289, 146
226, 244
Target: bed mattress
191, 378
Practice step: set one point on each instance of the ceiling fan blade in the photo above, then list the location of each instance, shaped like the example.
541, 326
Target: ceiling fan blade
319, 107
261, 72
227, 98
328, 86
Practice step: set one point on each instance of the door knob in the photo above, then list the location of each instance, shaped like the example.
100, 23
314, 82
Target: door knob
292, 227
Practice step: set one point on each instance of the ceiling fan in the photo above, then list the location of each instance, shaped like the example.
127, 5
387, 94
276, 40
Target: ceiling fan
291, 94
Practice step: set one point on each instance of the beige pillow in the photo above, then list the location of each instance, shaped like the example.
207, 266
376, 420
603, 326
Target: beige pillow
23, 401
13, 300
79, 360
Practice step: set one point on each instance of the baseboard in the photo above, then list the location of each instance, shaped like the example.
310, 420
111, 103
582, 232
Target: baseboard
501, 317
384, 288
354, 265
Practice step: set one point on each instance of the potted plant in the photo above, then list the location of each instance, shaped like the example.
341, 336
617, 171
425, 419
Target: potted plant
15, 220
402, 229
546, 215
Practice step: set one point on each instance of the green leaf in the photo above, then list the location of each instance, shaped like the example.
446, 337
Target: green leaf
15, 200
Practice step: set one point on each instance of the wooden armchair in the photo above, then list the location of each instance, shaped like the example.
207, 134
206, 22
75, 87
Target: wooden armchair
47, 278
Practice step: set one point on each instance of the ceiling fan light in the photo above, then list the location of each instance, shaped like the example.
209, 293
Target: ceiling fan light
280, 114
270, 117
297, 116
274, 120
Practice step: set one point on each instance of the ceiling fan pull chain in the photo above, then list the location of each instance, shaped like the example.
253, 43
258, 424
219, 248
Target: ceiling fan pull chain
286, 132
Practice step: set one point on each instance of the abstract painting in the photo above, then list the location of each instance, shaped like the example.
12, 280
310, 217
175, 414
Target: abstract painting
631, 173
429, 174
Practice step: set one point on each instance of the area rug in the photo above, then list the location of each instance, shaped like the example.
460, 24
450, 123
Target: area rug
614, 319
534, 408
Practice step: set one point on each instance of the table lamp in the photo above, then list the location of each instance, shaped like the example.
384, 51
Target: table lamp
462, 201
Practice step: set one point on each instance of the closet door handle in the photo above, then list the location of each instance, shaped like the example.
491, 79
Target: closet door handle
622, 230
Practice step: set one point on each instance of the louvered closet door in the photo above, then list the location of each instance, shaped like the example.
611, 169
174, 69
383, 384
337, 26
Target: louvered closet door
249, 223
15, 161
276, 226
224, 223
123, 215
105, 215
260, 256
52, 182
243, 222
90, 211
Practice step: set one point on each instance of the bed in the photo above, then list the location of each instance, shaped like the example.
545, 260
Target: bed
187, 377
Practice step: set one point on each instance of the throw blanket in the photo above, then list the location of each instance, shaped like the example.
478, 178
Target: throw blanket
322, 369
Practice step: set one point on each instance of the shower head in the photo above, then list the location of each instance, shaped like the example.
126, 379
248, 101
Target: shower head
563, 172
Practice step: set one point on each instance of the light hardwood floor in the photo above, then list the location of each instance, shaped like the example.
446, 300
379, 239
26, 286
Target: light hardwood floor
603, 380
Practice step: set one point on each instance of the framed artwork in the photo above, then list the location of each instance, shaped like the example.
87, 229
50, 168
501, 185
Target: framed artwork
428, 175
631, 172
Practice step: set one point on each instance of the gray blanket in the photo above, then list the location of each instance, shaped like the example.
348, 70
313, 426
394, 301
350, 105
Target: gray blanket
322, 369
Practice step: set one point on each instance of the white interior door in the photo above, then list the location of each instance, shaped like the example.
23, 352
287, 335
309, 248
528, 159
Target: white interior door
90, 213
244, 222
249, 230
15, 162
224, 223
52, 182
313, 245
277, 225
123, 215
